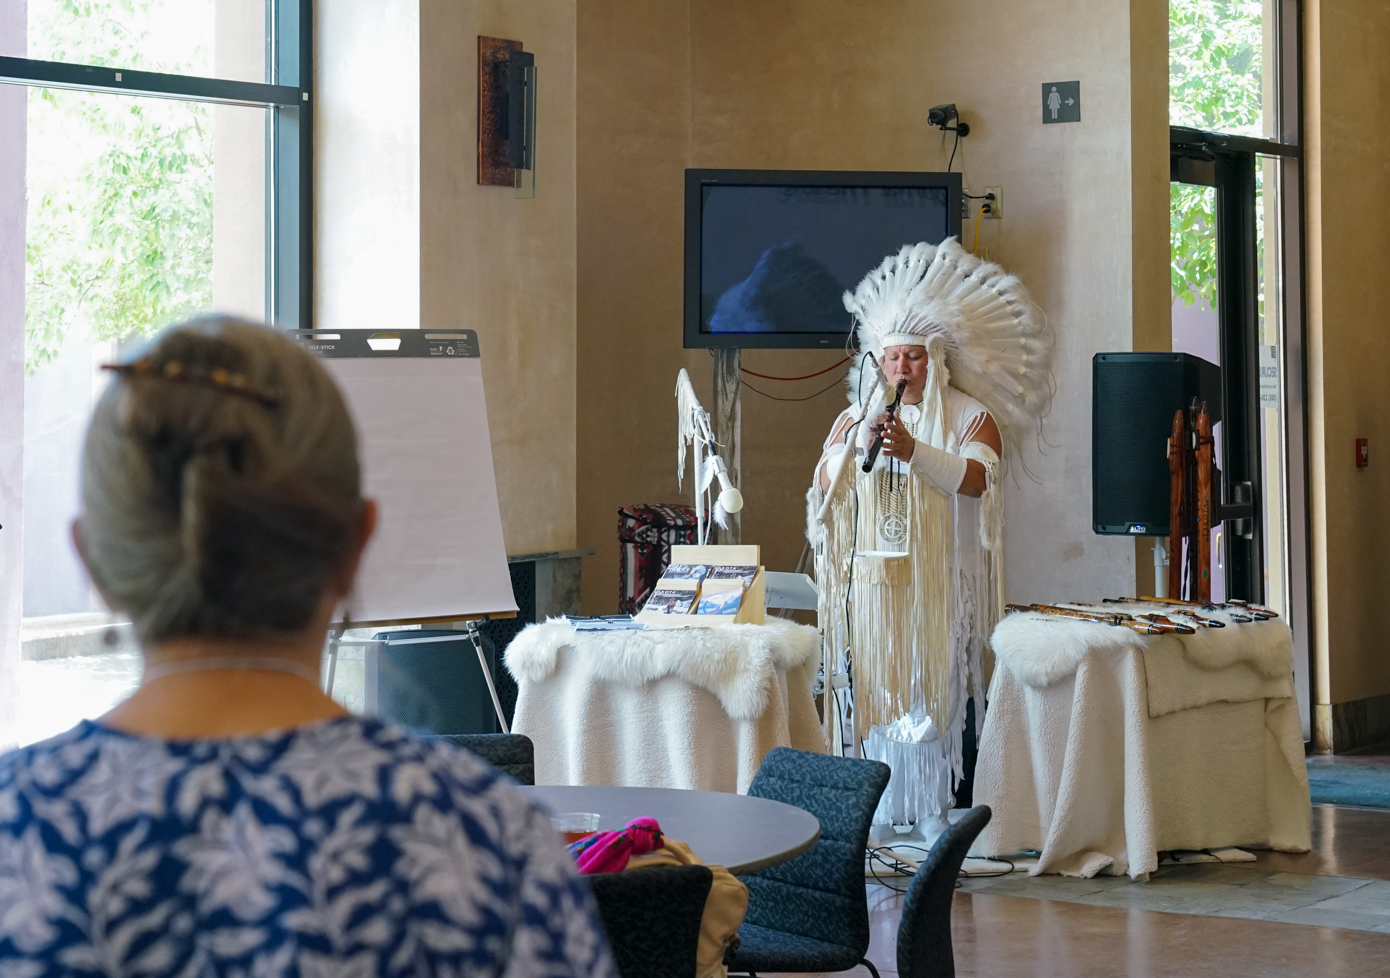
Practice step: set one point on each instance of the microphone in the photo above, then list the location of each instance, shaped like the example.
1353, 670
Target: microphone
729, 497
877, 445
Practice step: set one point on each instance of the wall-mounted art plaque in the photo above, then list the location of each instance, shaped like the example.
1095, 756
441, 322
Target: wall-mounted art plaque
494, 167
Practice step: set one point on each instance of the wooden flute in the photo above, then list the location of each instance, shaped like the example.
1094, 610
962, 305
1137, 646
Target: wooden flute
1238, 610
1143, 626
1199, 619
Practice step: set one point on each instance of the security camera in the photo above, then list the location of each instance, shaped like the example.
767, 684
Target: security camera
941, 117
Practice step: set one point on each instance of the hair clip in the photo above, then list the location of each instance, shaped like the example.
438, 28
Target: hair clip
218, 378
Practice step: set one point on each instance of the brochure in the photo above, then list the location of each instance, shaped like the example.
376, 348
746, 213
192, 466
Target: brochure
722, 602
667, 602
686, 572
733, 572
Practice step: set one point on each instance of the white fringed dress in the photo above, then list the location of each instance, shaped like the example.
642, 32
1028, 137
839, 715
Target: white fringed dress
923, 595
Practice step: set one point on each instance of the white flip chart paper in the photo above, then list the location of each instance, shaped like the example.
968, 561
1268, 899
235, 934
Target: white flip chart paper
427, 460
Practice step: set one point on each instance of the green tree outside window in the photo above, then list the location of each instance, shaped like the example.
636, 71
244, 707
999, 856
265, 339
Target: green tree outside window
120, 242
1215, 50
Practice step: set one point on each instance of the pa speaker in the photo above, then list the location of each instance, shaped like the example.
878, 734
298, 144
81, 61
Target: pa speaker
1133, 399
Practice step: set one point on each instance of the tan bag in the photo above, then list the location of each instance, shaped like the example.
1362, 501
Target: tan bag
724, 907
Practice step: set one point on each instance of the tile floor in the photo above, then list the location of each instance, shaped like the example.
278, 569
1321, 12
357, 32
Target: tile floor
1323, 914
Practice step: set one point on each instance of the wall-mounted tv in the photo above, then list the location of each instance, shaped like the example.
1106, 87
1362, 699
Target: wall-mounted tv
769, 253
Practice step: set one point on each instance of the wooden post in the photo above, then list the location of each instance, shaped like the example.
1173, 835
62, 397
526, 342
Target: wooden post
726, 420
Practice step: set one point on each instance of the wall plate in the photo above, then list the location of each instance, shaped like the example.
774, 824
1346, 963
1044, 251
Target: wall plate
996, 206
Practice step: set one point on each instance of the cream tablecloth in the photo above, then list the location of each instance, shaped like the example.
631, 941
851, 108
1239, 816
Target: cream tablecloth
673, 708
1102, 747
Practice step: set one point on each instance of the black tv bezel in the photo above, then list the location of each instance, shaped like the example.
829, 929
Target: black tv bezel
697, 180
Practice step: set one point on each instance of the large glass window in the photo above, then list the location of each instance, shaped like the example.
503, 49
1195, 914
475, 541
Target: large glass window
1217, 52
221, 39
133, 201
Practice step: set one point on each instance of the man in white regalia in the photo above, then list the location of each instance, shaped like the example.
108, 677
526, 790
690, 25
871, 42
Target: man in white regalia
909, 555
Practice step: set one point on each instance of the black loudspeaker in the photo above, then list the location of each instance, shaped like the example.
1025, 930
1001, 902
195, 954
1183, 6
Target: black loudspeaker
1133, 398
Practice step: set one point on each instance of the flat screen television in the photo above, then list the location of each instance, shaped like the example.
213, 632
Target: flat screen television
770, 253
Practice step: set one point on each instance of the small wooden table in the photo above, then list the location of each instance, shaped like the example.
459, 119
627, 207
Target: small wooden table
740, 833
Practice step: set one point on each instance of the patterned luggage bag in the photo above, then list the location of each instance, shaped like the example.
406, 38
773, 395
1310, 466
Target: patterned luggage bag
645, 534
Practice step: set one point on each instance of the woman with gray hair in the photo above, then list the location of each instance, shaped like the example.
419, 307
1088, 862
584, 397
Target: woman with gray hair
229, 818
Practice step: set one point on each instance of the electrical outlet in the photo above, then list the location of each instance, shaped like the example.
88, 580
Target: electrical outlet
996, 206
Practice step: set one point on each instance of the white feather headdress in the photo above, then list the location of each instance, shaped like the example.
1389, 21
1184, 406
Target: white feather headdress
997, 343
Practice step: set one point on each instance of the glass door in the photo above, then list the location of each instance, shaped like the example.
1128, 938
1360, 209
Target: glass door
1237, 277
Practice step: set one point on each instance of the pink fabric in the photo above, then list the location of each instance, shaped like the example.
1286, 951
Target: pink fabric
608, 852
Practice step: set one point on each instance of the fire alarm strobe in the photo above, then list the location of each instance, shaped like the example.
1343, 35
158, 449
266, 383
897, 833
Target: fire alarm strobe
1363, 452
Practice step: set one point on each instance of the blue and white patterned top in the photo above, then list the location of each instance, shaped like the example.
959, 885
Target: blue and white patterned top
346, 848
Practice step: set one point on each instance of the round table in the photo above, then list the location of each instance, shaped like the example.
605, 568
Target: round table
740, 833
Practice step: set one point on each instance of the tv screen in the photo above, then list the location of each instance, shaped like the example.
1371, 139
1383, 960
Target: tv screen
770, 253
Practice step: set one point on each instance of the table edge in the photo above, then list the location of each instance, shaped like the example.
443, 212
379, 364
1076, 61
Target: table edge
747, 869
739, 869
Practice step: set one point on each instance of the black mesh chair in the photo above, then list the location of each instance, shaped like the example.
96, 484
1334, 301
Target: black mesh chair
512, 754
652, 918
811, 913
924, 934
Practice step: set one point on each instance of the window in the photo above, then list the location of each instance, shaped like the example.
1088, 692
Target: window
1237, 282
154, 164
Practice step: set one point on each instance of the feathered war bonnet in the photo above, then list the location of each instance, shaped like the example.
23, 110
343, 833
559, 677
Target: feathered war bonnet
996, 341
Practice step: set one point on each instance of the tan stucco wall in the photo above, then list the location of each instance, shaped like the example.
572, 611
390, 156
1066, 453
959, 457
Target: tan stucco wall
1152, 291
407, 238
633, 133
1348, 165
502, 265
816, 84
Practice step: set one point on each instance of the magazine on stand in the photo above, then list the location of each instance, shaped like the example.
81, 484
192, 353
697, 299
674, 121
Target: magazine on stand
733, 572
669, 602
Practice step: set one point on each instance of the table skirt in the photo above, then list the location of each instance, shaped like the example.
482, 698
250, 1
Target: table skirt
1081, 772
592, 727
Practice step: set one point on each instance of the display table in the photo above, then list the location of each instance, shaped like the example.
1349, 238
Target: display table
690, 708
1102, 747
740, 833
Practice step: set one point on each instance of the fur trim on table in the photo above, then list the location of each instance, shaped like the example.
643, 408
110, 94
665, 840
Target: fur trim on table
1040, 649
737, 663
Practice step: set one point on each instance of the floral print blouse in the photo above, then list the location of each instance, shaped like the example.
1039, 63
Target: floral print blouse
346, 847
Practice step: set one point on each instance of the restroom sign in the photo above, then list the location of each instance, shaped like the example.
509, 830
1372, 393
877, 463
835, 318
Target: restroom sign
1061, 102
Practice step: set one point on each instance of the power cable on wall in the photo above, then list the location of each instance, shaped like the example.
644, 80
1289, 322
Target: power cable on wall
773, 397
753, 373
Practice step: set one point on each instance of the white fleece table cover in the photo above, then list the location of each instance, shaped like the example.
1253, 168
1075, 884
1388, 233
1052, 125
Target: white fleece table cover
1102, 747
664, 708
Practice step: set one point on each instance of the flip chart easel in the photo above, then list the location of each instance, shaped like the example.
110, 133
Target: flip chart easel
416, 399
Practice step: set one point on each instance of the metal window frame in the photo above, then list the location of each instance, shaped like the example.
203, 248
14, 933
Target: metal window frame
1227, 162
1232, 172
289, 139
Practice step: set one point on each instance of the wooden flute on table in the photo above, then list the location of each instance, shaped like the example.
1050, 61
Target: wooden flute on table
1144, 624
1237, 609
1199, 619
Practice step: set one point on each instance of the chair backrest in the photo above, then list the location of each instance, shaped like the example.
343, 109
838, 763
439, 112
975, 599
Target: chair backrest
924, 934
819, 894
652, 918
512, 754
